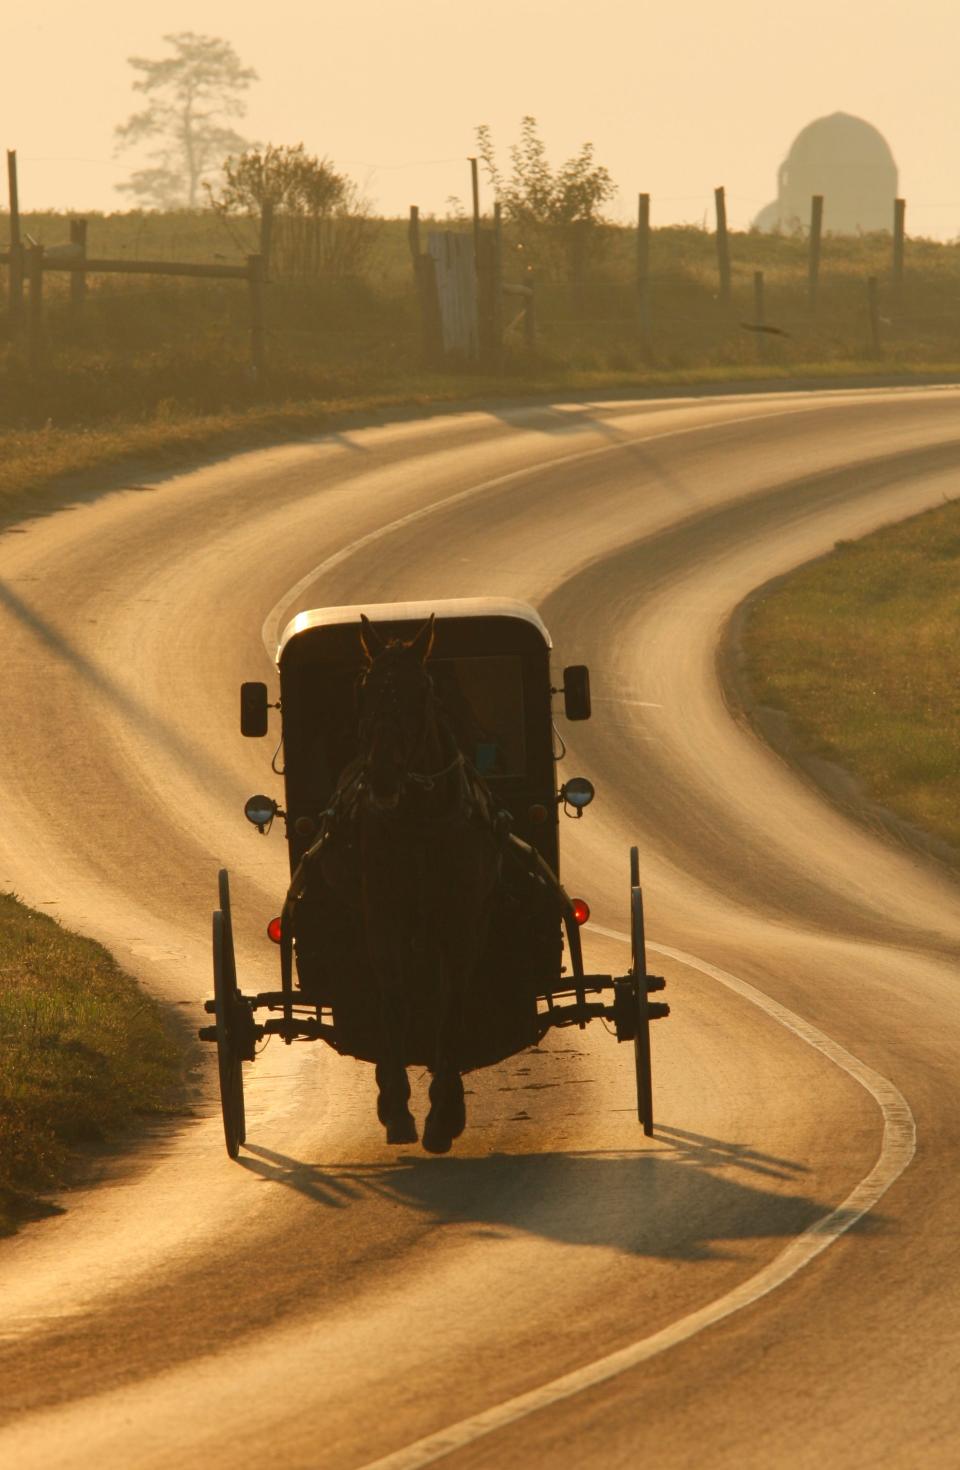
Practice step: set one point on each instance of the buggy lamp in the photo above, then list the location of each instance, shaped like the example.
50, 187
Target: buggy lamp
274, 930
581, 909
577, 793
260, 810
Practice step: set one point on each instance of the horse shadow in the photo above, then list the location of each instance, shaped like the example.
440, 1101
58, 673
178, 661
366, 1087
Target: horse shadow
694, 1199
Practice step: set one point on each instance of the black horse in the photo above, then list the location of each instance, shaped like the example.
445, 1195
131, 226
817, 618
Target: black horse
425, 852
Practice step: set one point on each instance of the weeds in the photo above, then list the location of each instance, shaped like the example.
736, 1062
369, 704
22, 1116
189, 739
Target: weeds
81, 1051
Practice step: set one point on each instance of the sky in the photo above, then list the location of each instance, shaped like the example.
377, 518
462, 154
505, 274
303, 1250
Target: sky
676, 97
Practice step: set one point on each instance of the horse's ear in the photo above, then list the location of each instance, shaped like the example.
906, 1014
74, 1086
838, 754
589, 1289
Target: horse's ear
422, 645
370, 640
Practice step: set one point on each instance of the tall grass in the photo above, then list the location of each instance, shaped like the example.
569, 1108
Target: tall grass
192, 336
860, 650
81, 1050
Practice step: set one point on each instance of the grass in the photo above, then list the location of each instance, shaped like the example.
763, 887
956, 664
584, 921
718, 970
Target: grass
860, 649
82, 1050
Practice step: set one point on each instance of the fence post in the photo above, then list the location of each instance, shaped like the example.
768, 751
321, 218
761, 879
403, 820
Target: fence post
816, 233
430, 310
899, 236
722, 244
258, 358
486, 273
78, 279
873, 306
413, 237
759, 314
643, 271
530, 315
16, 244
35, 274
475, 190
266, 235
498, 285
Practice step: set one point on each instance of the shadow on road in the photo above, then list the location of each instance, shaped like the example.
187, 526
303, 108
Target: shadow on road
680, 1202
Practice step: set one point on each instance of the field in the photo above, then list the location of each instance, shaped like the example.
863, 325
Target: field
153, 351
859, 649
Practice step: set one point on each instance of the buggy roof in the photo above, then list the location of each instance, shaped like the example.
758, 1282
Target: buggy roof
415, 613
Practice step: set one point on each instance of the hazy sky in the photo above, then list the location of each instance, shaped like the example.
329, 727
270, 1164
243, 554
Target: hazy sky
676, 97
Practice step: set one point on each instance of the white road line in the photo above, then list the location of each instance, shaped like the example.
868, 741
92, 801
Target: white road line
896, 1151
271, 629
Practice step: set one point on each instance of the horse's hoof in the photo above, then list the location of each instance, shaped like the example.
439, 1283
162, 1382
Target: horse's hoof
457, 1123
402, 1130
436, 1142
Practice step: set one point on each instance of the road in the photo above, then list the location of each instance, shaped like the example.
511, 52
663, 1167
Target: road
770, 1280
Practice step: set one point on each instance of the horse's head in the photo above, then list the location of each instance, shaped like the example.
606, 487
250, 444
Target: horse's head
397, 709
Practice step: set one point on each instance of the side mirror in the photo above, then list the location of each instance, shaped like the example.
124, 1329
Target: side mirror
260, 810
253, 709
578, 793
576, 692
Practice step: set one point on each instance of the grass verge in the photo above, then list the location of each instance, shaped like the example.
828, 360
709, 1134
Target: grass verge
35, 462
859, 651
82, 1051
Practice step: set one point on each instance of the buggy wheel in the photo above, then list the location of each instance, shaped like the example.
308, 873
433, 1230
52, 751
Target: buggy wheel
223, 885
228, 1054
638, 975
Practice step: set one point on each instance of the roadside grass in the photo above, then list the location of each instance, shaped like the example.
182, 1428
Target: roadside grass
82, 1052
35, 461
861, 650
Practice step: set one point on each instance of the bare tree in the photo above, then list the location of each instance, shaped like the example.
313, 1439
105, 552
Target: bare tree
191, 95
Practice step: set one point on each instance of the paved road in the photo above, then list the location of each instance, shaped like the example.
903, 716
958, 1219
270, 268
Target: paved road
771, 1280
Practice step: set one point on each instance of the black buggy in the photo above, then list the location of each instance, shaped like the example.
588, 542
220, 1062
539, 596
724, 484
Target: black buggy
490, 664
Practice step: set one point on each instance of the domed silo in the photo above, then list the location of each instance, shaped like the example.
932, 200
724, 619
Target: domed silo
847, 161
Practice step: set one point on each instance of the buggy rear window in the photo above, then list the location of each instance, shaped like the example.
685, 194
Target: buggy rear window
483, 699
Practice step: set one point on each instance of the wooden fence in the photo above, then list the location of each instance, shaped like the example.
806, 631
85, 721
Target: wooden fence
466, 306
29, 263
461, 291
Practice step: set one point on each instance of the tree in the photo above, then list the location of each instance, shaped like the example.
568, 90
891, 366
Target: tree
285, 176
190, 97
320, 222
565, 203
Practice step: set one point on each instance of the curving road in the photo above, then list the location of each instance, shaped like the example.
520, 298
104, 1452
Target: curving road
771, 1280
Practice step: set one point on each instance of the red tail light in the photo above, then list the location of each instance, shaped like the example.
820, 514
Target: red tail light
273, 930
581, 910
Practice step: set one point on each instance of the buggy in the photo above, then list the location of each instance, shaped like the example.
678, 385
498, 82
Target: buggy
489, 664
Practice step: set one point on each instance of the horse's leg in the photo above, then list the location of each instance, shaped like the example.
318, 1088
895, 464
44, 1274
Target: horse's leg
393, 1087
447, 1117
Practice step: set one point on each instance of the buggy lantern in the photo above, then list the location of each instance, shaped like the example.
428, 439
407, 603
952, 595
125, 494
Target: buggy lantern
260, 810
581, 909
275, 930
577, 793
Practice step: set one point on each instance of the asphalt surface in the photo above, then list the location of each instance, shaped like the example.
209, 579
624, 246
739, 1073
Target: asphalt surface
770, 1280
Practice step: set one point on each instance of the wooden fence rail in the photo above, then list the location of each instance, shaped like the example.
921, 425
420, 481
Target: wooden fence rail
73, 259
91, 265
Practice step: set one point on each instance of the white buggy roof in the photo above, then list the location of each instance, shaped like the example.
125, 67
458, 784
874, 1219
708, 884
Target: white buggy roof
414, 612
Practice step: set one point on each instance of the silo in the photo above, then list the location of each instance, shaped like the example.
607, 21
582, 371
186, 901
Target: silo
849, 162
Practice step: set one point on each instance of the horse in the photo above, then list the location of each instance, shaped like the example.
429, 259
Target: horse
426, 853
